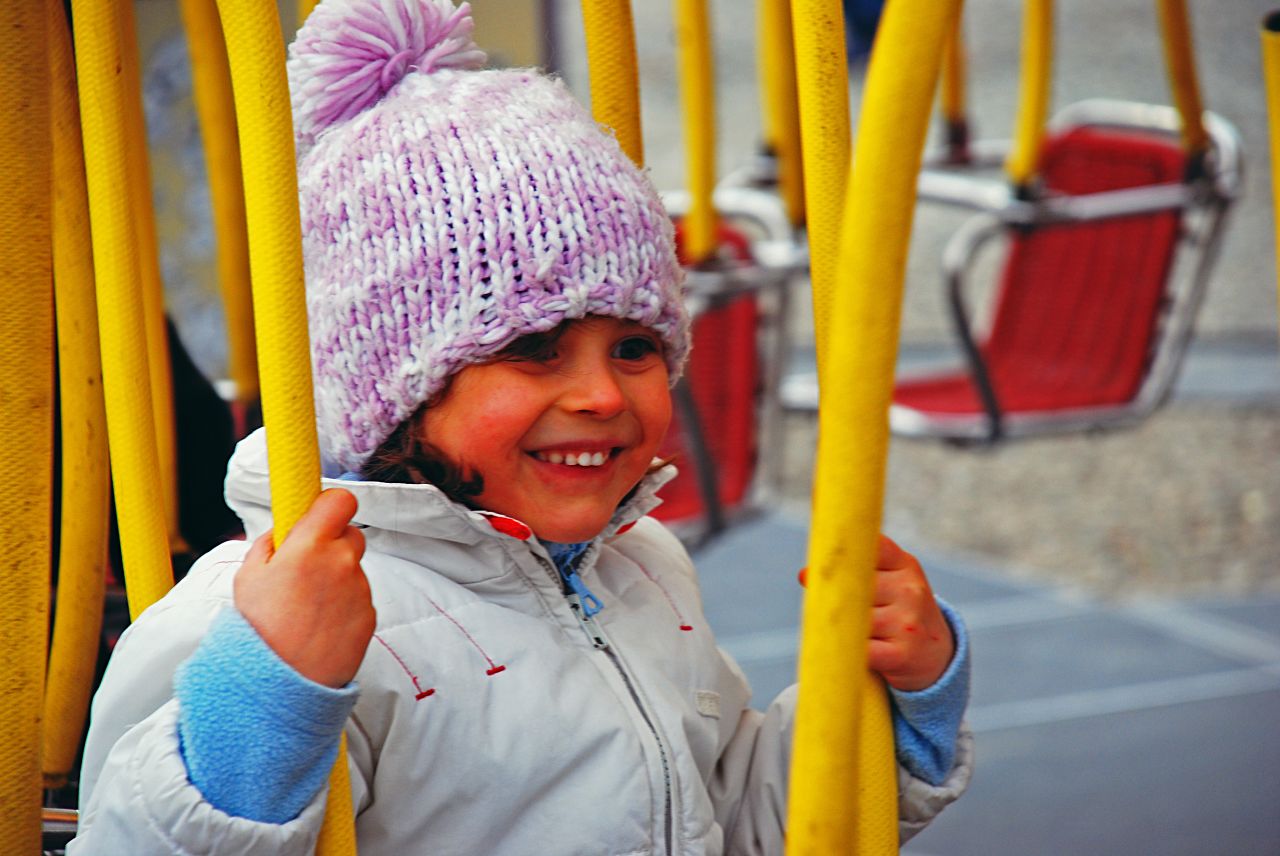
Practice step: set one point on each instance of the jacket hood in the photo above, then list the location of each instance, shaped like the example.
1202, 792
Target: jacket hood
396, 515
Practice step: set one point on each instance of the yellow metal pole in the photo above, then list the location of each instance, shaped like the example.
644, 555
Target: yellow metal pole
130, 416
305, 7
613, 72
255, 47
157, 336
953, 95
1179, 55
1271, 77
1033, 92
26, 413
82, 550
823, 86
954, 70
698, 99
843, 739
211, 83
776, 46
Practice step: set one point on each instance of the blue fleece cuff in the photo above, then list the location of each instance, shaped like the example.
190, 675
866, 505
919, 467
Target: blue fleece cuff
258, 738
926, 723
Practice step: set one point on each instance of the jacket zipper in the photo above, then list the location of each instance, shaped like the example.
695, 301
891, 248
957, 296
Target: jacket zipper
662, 751
584, 606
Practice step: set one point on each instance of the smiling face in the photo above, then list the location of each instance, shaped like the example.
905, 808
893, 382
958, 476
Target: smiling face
561, 435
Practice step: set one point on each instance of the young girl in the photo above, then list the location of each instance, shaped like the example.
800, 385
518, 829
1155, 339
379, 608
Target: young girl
516, 653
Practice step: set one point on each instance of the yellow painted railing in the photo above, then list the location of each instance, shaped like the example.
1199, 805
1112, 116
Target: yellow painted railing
255, 46
26, 411
698, 100
1179, 55
305, 7
1034, 87
823, 87
85, 492
211, 89
613, 72
844, 740
953, 96
777, 76
130, 417
138, 166
1271, 76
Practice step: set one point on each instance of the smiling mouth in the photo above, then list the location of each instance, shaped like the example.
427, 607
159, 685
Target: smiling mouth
575, 459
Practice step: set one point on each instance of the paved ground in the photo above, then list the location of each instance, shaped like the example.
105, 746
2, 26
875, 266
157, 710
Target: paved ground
1101, 729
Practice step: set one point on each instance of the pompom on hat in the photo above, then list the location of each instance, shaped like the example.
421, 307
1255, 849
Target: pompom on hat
449, 210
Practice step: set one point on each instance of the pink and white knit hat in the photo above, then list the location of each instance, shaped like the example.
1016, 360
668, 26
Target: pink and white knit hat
447, 211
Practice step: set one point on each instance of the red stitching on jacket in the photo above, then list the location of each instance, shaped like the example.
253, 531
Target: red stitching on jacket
494, 668
421, 693
684, 625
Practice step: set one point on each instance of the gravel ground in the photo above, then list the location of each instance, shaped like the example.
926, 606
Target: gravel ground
1186, 503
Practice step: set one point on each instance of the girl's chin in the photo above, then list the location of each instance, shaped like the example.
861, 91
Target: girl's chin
571, 529
568, 535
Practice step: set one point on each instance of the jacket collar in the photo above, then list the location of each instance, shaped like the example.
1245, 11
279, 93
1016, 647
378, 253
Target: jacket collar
399, 518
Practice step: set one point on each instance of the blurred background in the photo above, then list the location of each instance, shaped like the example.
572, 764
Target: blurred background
1190, 500
1122, 588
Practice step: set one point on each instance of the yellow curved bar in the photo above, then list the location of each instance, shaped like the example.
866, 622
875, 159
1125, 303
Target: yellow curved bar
26, 412
1179, 57
305, 7
781, 110
255, 47
256, 50
844, 738
954, 72
613, 72
823, 85
953, 97
130, 419
698, 98
1033, 92
211, 83
1271, 77
82, 550
139, 166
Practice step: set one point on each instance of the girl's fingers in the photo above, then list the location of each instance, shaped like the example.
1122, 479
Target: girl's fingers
327, 518
882, 622
355, 538
890, 556
262, 549
883, 657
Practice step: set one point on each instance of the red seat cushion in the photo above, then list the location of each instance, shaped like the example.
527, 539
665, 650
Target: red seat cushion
1079, 304
724, 376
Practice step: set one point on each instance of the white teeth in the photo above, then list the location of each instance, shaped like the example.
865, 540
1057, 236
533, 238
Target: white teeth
575, 459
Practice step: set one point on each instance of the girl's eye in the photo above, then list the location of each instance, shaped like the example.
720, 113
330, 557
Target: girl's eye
544, 354
635, 348
533, 349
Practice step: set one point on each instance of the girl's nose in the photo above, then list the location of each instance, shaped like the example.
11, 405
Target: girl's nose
595, 392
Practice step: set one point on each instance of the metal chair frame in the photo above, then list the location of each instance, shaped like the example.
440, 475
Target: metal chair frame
776, 259
1203, 200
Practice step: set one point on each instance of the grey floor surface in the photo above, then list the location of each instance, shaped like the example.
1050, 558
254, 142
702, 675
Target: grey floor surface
1141, 728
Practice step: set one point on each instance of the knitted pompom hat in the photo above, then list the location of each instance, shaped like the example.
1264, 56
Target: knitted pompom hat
447, 211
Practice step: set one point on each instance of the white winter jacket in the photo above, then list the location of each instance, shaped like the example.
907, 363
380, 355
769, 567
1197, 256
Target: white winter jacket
491, 720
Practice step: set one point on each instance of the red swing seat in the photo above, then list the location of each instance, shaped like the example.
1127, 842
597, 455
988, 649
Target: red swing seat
727, 406
1081, 306
723, 379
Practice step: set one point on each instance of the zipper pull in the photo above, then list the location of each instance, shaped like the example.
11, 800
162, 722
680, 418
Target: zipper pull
586, 618
590, 603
